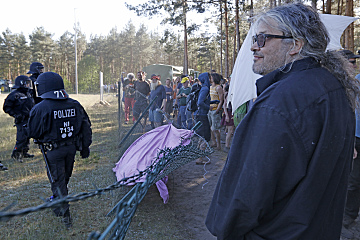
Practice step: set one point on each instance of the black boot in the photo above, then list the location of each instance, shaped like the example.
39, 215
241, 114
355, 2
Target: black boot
17, 155
2, 167
67, 219
26, 155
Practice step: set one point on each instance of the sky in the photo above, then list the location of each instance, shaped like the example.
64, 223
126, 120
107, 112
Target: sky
57, 17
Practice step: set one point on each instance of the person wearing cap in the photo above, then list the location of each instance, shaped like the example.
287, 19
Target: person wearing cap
63, 126
353, 193
142, 91
351, 57
129, 95
184, 117
169, 97
18, 105
35, 70
158, 92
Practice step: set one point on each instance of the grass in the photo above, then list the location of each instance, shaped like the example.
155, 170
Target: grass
26, 183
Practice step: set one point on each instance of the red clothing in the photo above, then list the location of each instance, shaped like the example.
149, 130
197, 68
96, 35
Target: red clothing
129, 101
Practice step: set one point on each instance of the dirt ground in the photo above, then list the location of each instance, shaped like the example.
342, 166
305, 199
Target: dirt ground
191, 189
195, 198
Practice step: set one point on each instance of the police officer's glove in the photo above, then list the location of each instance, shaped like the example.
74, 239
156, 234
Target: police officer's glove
85, 152
19, 118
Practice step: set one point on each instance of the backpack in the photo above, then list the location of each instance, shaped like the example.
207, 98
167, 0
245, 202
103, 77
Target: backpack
192, 98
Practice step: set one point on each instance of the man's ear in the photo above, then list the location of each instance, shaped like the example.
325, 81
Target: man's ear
298, 45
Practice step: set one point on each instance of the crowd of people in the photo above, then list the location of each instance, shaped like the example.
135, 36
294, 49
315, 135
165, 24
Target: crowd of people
171, 102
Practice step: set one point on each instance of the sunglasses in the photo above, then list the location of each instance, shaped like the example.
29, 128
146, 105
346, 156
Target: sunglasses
353, 62
260, 38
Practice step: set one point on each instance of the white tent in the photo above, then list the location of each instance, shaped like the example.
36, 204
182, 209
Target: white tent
242, 87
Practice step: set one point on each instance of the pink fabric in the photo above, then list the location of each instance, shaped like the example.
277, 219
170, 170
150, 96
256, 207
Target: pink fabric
144, 151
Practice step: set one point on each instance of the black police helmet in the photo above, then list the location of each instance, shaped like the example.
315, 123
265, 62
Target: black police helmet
22, 81
51, 85
35, 68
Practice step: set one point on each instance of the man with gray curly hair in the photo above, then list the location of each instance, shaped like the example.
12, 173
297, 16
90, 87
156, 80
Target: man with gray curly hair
288, 165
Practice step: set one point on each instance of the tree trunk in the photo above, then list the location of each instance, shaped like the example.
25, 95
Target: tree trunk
341, 7
323, 2
237, 22
328, 7
185, 41
234, 52
226, 41
349, 31
221, 38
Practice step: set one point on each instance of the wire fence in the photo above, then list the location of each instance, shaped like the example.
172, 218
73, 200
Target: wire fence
167, 160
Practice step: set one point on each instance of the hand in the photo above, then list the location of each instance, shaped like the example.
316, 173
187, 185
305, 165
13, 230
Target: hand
85, 152
19, 118
227, 119
355, 153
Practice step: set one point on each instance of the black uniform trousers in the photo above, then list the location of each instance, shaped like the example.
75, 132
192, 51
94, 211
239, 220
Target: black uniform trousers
22, 139
61, 163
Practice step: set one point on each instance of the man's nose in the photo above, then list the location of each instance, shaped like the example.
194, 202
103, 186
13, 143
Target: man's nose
254, 47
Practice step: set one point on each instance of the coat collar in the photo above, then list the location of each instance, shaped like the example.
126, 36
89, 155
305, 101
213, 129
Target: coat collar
278, 74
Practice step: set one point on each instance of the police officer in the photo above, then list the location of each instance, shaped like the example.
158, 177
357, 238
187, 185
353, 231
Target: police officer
36, 69
62, 124
18, 105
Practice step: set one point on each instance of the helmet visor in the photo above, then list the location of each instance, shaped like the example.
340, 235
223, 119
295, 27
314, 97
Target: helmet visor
28, 84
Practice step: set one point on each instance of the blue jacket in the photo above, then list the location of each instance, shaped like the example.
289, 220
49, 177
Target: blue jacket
204, 96
287, 169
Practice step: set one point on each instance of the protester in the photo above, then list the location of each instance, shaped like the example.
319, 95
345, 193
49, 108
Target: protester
169, 97
61, 124
227, 120
142, 90
129, 93
288, 165
158, 92
18, 105
353, 194
201, 115
184, 118
215, 113
176, 82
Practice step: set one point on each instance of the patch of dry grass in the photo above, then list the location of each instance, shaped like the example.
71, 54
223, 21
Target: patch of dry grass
26, 183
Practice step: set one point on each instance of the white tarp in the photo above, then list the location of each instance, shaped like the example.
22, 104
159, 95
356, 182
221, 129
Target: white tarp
242, 87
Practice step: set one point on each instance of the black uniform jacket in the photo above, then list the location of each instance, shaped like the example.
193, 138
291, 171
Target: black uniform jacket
286, 173
56, 121
18, 104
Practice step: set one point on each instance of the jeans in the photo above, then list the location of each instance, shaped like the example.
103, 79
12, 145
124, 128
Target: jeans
353, 193
186, 119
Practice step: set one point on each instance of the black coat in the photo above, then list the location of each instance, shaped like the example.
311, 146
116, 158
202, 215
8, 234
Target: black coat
18, 104
287, 169
55, 121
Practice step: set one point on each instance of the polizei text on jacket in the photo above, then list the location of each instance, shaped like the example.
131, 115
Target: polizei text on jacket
64, 113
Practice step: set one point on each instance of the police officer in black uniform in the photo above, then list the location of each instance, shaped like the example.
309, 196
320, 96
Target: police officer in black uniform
18, 105
62, 124
36, 69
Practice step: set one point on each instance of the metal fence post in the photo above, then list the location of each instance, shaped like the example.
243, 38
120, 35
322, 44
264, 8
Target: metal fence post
119, 106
